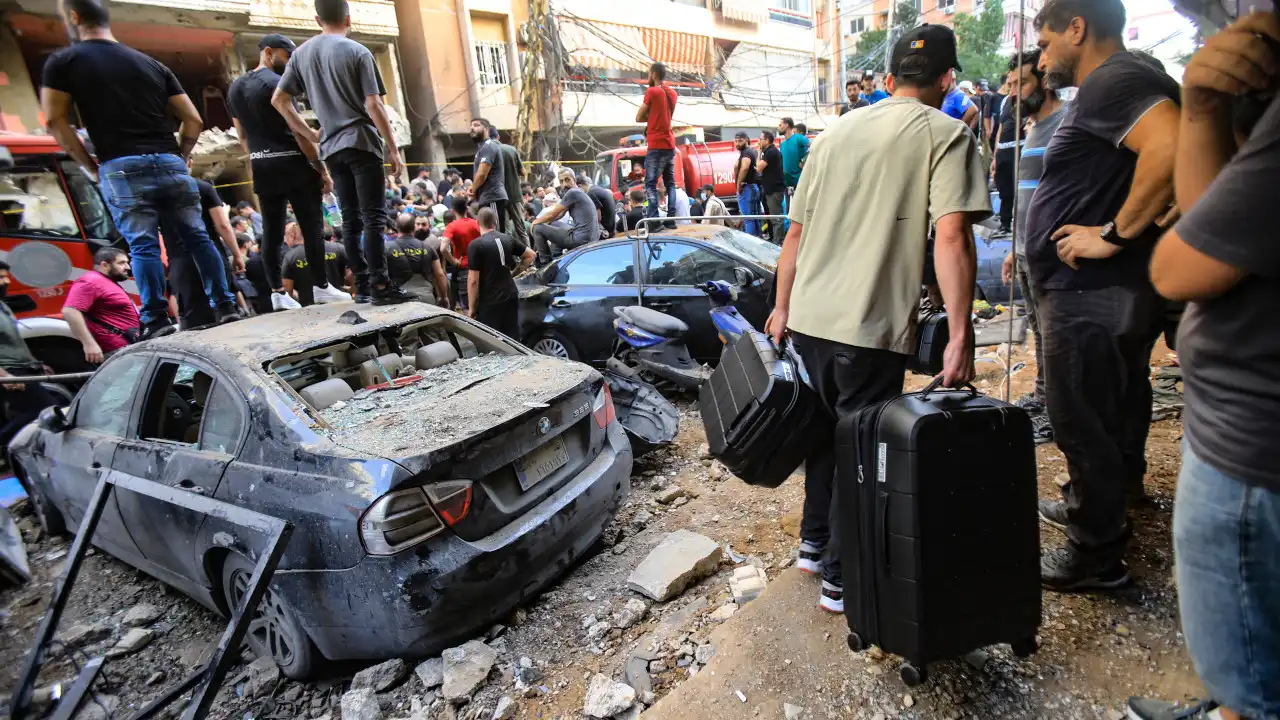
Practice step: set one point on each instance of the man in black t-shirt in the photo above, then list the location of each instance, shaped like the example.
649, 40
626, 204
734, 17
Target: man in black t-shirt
416, 265
128, 103
194, 309
490, 258
1107, 180
604, 199
295, 272
336, 270
286, 170
631, 220
772, 187
745, 180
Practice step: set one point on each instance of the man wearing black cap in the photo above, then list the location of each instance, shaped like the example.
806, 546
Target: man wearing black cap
286, 170
848, 284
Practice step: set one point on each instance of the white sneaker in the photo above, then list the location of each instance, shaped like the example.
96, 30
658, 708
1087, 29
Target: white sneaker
831, 598
809, 559
284, 301
328, 294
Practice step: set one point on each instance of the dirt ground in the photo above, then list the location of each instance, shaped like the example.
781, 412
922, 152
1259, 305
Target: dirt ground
1095, 650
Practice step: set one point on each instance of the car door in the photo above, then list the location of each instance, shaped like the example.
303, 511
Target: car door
674, 269
78, 456
595, 280
188, 431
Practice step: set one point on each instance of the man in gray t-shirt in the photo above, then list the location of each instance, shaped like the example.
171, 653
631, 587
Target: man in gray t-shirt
580, 207
488, 186
1046, 111
342, 84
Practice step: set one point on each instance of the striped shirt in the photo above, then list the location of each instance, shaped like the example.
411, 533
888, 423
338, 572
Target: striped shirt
1030, 167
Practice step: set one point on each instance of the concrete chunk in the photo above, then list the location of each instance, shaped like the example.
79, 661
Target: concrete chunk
465, 668
132, 642
747, 583
360, 704
381, 677
431, 673
141, 615
606, 698
682, 558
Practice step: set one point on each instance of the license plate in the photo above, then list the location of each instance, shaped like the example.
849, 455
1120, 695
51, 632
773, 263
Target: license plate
537, 465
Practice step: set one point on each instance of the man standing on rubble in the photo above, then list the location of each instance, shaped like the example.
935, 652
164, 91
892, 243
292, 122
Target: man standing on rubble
342, 84
287, 170
851, 266
128, 102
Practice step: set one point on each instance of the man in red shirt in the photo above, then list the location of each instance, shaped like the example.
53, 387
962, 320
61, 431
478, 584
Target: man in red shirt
457, 237
660, 156
101, 314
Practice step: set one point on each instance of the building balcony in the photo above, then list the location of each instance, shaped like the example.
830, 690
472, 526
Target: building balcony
368, 17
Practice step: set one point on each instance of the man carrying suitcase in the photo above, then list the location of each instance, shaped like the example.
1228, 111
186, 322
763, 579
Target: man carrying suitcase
849, 275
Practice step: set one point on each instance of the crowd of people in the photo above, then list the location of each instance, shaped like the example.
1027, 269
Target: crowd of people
1135, 194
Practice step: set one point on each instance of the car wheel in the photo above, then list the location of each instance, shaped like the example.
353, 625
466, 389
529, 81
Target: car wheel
275, 631
555, 345
49, 517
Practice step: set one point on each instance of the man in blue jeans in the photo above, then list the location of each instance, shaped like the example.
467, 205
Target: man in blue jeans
1221, 258
128, 102
660, 156
745, 177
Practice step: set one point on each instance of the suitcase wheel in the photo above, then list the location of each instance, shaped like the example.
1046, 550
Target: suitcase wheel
856, 642
911, 675
1024, 648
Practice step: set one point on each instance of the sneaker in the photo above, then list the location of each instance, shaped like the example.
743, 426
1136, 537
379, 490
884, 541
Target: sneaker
809, 559
1064, 570
284, 301
327, 293
364, 292
1144, 709
1041, 429
1054, 514
157, 328
831, 597
228, 312
392, 294
1030, 404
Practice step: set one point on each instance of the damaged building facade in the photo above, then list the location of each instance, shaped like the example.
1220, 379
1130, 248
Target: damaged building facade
207, 44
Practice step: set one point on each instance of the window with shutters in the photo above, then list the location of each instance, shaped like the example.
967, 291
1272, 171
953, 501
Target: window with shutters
491, 64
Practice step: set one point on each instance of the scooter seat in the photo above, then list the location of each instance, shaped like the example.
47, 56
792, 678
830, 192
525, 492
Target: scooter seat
653, 321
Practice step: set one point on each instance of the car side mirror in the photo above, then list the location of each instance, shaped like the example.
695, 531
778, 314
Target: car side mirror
743, 277
53, 419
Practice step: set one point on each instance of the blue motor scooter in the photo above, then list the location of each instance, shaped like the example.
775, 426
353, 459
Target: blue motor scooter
650, 345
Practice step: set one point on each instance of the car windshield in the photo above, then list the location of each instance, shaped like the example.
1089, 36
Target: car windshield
750, 247
32, 201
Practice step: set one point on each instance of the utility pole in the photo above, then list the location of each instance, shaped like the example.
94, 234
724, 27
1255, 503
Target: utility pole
844, 51
888, 46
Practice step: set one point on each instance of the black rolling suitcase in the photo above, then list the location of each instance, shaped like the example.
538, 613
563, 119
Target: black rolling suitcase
940, 543
761, 419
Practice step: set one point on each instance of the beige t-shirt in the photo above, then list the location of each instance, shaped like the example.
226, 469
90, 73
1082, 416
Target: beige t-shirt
874, 182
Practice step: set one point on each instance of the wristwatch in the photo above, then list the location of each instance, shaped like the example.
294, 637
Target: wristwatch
1111, 234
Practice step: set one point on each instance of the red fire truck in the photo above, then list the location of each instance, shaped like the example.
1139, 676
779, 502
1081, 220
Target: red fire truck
697, 164
52, 221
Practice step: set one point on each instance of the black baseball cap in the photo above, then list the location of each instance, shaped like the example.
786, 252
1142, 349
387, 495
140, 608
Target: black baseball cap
278, 42
935, 43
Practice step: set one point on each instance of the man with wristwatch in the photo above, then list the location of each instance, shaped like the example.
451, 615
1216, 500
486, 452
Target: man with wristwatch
1091, 225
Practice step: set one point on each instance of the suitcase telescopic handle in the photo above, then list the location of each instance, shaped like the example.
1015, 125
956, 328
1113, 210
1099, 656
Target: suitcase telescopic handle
937, 383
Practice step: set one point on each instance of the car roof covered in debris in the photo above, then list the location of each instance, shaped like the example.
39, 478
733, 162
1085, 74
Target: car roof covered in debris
259, 339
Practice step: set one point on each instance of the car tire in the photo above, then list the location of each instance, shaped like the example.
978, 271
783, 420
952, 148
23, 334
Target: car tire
50, 518
275, 630
554, 345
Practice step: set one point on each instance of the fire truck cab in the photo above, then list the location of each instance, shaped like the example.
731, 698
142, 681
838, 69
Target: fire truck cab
52, 221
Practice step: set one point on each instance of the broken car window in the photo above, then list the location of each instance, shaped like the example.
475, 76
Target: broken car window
611, 265
175, 404
221, 421
105, 399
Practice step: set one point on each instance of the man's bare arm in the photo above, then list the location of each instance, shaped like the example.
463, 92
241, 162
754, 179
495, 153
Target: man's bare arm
283, 103
439, 282
776, 326
227, 235
955, 262
971, 116
642, 114
244, 141
1155, 141
482, 174
473, 291
378, 112
80, 329
190, 123
1181, 272
56, 106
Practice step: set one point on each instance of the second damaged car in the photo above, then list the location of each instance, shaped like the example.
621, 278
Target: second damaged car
436, 474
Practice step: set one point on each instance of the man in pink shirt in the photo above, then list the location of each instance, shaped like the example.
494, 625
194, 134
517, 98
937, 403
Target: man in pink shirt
101, 314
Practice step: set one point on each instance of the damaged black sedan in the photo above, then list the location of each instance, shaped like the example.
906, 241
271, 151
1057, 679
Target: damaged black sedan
436, 474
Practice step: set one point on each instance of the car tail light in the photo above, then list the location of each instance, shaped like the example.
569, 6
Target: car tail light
452, 500
602, 410
397, 520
